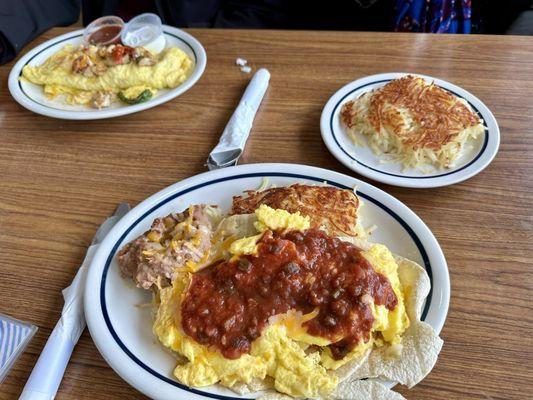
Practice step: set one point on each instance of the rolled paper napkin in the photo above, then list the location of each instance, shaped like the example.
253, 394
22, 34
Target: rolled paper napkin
14, 337
50, 367
233, 139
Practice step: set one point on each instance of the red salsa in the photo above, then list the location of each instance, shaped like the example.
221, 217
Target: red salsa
105, 34
228, 303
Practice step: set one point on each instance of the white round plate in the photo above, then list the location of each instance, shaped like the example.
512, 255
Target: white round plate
31, 96
362, 159
122, 331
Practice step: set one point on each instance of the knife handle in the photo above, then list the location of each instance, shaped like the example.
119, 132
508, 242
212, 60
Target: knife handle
50, 367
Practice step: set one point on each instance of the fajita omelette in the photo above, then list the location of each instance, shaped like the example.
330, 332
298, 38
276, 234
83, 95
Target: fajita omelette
97, 76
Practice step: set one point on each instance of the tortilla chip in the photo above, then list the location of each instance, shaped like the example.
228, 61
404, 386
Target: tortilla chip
273, 395
347, 370
364, 390
352, 390
415, 282
237, 225
255, 385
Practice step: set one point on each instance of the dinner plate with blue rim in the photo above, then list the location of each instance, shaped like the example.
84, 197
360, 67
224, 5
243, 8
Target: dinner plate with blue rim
122, 329
32, 97
477, 155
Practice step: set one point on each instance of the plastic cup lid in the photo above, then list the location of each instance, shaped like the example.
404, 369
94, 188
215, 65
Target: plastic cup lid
141, 30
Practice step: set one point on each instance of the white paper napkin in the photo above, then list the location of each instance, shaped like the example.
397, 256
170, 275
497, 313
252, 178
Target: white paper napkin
50, 367
233, 139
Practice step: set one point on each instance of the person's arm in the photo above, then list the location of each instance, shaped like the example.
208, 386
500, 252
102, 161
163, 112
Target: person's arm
23, 20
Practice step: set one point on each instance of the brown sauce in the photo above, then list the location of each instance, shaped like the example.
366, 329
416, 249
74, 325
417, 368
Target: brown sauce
105, 34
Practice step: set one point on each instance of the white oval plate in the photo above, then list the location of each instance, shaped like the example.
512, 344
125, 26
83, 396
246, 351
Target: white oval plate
123, 332
31, 96
362, 159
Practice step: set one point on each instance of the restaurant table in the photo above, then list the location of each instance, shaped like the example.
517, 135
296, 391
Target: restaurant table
60, 179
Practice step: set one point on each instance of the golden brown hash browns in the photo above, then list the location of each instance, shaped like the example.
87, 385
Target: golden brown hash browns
437, 115
328, 207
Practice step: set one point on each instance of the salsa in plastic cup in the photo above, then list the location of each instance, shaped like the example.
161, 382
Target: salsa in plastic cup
104, 31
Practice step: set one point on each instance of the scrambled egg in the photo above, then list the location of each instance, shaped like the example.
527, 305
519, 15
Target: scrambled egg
269, 218
393, 323
272, 354
280, 351
56, 75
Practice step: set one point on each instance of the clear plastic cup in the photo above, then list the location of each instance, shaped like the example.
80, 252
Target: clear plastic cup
104, 31
144, 30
